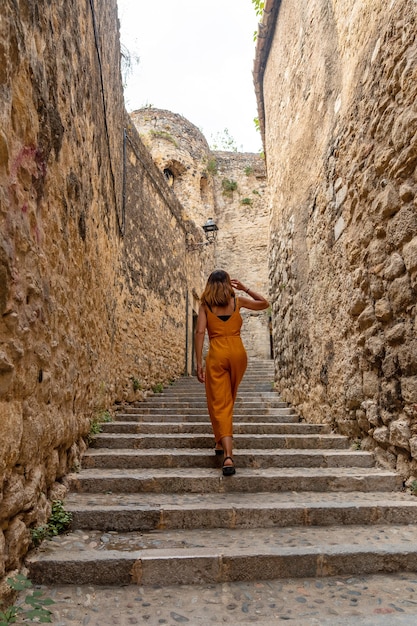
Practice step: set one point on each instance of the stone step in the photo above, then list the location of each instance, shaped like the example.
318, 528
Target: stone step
131, 427
281, 416
172, 458
147, 409
202, 480
200, 403
129, 512
205, 556
240, 441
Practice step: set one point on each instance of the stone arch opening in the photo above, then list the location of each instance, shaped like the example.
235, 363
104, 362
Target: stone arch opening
173, 171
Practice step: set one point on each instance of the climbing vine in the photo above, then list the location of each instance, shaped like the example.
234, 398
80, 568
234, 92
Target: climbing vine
259, 6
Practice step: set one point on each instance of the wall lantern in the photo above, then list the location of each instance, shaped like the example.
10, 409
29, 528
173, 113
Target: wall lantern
210, 230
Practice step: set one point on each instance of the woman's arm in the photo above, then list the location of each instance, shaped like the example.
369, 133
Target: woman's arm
200, 331
256, 302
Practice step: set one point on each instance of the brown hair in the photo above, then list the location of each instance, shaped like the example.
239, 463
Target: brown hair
218, 290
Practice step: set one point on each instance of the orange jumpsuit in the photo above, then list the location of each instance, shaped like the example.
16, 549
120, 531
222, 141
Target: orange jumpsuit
225, 366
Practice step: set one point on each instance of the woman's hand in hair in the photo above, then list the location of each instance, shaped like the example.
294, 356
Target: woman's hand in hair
236, 284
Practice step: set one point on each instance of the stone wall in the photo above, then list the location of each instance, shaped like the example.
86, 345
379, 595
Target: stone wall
242, 248
338, 84
228, 186
95, 281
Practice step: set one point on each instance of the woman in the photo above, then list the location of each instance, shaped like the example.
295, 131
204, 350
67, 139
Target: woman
226, 360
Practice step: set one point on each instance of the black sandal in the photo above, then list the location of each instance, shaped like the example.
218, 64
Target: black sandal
218, 451
228, 470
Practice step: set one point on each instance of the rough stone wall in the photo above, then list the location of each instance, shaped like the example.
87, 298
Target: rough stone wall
242, 218
177, 146
94, 279
228, 186
339, 92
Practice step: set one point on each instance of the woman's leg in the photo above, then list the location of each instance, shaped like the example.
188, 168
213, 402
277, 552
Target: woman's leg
227, 443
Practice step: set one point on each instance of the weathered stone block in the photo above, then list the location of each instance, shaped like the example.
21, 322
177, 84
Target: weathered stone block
372, 414
410, 255
367, 317
395, 267
376, 287
407, 358
409, 389
403, 465
400, 293
375, 347
399, 433
17, 538
395, 334
389, 365
406, 192
403, 226
387, 203
385, 458
404, 128
383, 311
413, 447
11, 430
390, 394
370, 384
381, 435
358, 303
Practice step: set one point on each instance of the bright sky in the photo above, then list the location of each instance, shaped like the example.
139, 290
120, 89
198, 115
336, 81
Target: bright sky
195, 59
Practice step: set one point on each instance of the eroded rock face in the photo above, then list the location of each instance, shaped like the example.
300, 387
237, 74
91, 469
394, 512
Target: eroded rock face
341, 143
94, 275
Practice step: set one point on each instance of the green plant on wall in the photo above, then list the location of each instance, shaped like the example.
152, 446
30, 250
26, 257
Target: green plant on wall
96, 423
59, 521
212, 166
228, 186
248, 170
136, 384
246, 201
34, 611
158, 388
164, 135
259, 6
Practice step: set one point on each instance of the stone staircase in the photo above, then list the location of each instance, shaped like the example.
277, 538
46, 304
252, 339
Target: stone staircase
150, 505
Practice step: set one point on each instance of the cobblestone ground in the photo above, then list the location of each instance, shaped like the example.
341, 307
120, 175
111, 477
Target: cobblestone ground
366, 601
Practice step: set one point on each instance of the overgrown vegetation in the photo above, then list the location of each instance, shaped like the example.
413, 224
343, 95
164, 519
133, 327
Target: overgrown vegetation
164, 135
248, 170
259, 6
246, 201
136, 384
96, 423
212, 166
59, 522
34, 611
228, 186
158, 388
